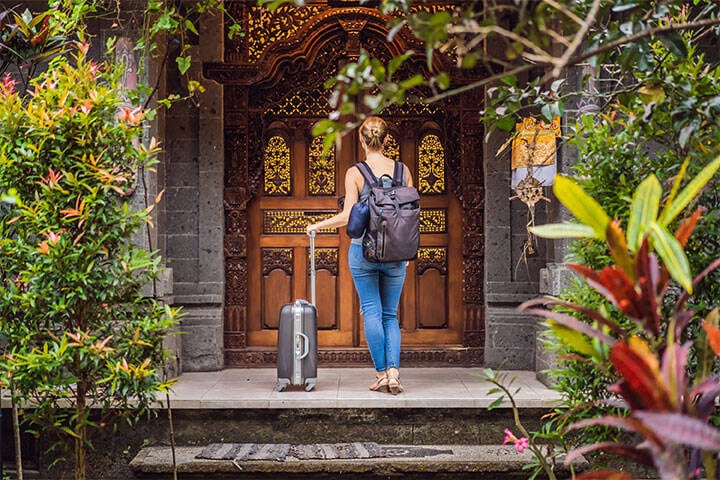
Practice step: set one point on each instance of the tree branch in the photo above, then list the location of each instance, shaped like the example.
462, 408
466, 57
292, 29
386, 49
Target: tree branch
710, 22
578, 40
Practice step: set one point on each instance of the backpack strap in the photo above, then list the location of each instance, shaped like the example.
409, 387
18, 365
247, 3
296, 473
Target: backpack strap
367, 173
398, 174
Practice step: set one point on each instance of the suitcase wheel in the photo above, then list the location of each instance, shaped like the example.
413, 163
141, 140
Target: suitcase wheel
309, 386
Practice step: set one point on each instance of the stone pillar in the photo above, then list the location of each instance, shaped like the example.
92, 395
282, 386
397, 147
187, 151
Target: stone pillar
555, 277
202, 296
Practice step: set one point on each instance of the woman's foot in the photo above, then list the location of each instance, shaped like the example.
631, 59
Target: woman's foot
380, 384
393, 381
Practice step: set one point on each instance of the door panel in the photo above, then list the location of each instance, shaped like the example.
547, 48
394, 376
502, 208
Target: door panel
300, 187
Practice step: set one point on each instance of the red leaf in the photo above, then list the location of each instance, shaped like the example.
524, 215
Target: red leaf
623, 291
631, 453
674, 370
648, 274
629, 424
681, 429
687, 226
644, 388
585, 271
591, 314
593, 279
713, 336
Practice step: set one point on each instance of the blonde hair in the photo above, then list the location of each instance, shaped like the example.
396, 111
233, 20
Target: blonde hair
374, 130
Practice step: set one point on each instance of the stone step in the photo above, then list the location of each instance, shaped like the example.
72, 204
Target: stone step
479, 462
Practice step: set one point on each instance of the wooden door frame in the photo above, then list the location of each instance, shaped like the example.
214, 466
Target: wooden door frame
323, 40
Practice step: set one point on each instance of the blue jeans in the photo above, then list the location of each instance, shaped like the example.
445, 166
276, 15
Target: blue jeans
379, 286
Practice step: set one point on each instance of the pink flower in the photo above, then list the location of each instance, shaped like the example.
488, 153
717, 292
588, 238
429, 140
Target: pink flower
520, 443
509, 437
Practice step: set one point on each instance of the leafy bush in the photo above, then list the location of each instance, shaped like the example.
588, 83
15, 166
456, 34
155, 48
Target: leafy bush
80, 332
669, 409
662, 120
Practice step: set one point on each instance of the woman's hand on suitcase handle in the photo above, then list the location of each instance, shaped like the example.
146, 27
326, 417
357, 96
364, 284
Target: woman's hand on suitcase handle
311, 229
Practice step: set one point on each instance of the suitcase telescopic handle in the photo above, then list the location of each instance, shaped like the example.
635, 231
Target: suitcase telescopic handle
312, 267
301, 353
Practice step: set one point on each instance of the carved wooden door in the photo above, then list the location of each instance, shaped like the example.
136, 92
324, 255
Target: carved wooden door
298, 187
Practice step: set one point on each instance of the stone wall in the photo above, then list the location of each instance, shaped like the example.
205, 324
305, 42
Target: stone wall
193, 206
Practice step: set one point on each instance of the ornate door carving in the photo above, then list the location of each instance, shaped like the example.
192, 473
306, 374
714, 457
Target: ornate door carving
276, 183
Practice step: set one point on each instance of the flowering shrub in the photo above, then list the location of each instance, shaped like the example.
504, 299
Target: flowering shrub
79, 330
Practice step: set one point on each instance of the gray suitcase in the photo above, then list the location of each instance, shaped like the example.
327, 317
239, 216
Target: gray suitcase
297, 338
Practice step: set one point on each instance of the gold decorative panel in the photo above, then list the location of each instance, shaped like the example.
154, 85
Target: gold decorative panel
313, 104
265, 27
277, 167
432, 258
325, 259
292, 221
321, 178
433, 220
392, 148
431, 166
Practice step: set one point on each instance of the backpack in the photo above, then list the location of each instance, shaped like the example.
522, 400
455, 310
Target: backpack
393, 232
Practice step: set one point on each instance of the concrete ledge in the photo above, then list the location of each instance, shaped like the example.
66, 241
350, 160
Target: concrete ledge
464, 459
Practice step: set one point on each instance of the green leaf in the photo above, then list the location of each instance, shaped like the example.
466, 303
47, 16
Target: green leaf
412, 82
689, 193
676, 186
583, 206
675, 43
443, 80
672, 254
644, 210
183, 64
190, 26
563, 230
575, 340
496, 403
506, 124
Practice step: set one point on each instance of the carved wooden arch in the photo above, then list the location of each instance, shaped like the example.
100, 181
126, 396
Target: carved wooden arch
300, 51
326, 40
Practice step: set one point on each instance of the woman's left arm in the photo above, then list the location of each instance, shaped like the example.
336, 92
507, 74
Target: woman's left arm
351, 198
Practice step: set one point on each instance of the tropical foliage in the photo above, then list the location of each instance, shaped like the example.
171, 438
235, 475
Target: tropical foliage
668, 408
84, 343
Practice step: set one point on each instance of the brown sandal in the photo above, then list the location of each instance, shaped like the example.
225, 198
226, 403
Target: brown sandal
380, 384
393, 375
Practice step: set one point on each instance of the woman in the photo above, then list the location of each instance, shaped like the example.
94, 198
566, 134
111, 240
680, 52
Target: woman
378, 285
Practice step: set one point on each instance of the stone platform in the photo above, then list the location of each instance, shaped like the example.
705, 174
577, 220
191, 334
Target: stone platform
347, 388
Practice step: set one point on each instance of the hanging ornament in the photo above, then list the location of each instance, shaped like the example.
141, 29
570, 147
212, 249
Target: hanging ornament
534, 154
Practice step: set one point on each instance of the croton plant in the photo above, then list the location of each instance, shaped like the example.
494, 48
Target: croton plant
649, 282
